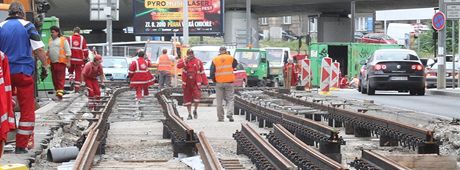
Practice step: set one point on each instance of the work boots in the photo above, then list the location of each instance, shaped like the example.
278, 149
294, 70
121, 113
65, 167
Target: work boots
20, 150
195, 115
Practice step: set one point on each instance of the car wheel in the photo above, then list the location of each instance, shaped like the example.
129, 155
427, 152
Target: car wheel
261, 83
370, 89
363, 90
359, 87
421, 92
413, 92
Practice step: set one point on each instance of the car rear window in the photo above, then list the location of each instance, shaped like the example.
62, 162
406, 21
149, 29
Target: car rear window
396, 56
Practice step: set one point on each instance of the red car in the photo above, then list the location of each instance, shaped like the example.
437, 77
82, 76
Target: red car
241, 78
378, 38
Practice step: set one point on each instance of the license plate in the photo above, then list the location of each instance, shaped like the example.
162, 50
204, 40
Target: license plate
398, 78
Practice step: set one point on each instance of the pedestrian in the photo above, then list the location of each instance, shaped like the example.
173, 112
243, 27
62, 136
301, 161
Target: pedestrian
221, 73
79, 56
58, 55
193, 77
6, 109
164, 69
140, 76
90, 74
19, 40
290, 74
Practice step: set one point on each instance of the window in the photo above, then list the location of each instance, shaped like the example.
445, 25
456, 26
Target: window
287, 20
313, 24
361, 24
264, 21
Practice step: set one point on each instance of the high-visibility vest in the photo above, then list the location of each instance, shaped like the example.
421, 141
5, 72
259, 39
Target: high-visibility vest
164, 63
224, 68
62, 56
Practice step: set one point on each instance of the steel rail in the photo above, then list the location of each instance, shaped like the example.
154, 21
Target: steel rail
96, 134
207, 154
410, 136
305, 157
372, 160
262, 153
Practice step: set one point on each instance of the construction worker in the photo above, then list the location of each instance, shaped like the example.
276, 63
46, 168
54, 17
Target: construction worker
140, 76
290, 74
193, 77
19, 40
58, 55
164, 69
90, 74
79, 56
5, 101
221, 73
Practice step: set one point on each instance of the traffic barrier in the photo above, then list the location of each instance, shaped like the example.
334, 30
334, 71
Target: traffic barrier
325, 76
306, 74
335, 75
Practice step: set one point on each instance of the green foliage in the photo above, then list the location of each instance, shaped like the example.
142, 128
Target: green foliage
428, 46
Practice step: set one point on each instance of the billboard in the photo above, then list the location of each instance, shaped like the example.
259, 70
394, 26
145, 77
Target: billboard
164, 17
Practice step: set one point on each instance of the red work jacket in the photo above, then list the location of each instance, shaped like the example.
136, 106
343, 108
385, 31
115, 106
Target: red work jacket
139, 73
6, 104
79, 49
192, 72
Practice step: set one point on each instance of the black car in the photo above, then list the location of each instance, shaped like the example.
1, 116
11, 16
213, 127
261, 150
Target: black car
394, 69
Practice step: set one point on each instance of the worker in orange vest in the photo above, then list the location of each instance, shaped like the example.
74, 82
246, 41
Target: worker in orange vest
221, 73
6, 108
193, 77
164, 69
79, 56
90, 74
140, 76
58, 55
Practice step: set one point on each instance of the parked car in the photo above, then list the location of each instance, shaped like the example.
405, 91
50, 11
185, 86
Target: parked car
115, 68
241, 78
207, 53
379, 38
432, 75
394, 69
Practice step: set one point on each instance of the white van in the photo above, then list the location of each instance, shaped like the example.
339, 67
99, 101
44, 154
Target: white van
207, 53
400, 32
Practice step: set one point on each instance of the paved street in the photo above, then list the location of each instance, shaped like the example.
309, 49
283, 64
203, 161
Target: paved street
439, 105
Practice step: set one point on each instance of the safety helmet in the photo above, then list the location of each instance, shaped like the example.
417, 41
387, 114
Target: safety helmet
97, 58
16, 8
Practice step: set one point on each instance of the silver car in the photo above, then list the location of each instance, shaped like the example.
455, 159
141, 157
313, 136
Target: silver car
115, 68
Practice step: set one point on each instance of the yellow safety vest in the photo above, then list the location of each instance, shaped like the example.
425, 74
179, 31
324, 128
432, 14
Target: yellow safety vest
224, 68
62, 56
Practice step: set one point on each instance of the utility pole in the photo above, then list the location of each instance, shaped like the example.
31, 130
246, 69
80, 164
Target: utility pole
248, 22
109, 27
441, 80
185, 24
353, 15
453, 54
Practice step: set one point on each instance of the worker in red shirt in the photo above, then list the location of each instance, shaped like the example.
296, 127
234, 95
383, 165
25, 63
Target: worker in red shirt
193, 77
290, 73
6, 109
140, 76
90, 74
79, 56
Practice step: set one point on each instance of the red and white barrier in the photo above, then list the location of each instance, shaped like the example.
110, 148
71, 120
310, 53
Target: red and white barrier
306, 74
335, 76
326, 70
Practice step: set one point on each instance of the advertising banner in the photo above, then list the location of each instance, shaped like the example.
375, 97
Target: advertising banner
164, 17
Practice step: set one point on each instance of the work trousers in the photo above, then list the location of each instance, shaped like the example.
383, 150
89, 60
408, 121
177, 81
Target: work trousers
76, 69
142, 91
24, 85
224, 91
58, 75
164, 79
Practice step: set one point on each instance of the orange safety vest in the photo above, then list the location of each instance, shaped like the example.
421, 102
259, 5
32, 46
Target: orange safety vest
62, 56
224, 68
164, 63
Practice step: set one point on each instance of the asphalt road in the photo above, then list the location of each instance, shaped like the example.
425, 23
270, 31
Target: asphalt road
445, 106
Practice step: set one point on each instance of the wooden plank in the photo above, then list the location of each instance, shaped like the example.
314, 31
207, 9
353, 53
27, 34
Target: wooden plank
426, 162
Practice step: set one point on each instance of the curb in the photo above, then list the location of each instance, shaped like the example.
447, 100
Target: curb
443, 93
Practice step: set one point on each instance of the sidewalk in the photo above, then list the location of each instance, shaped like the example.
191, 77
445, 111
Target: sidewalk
444, 92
